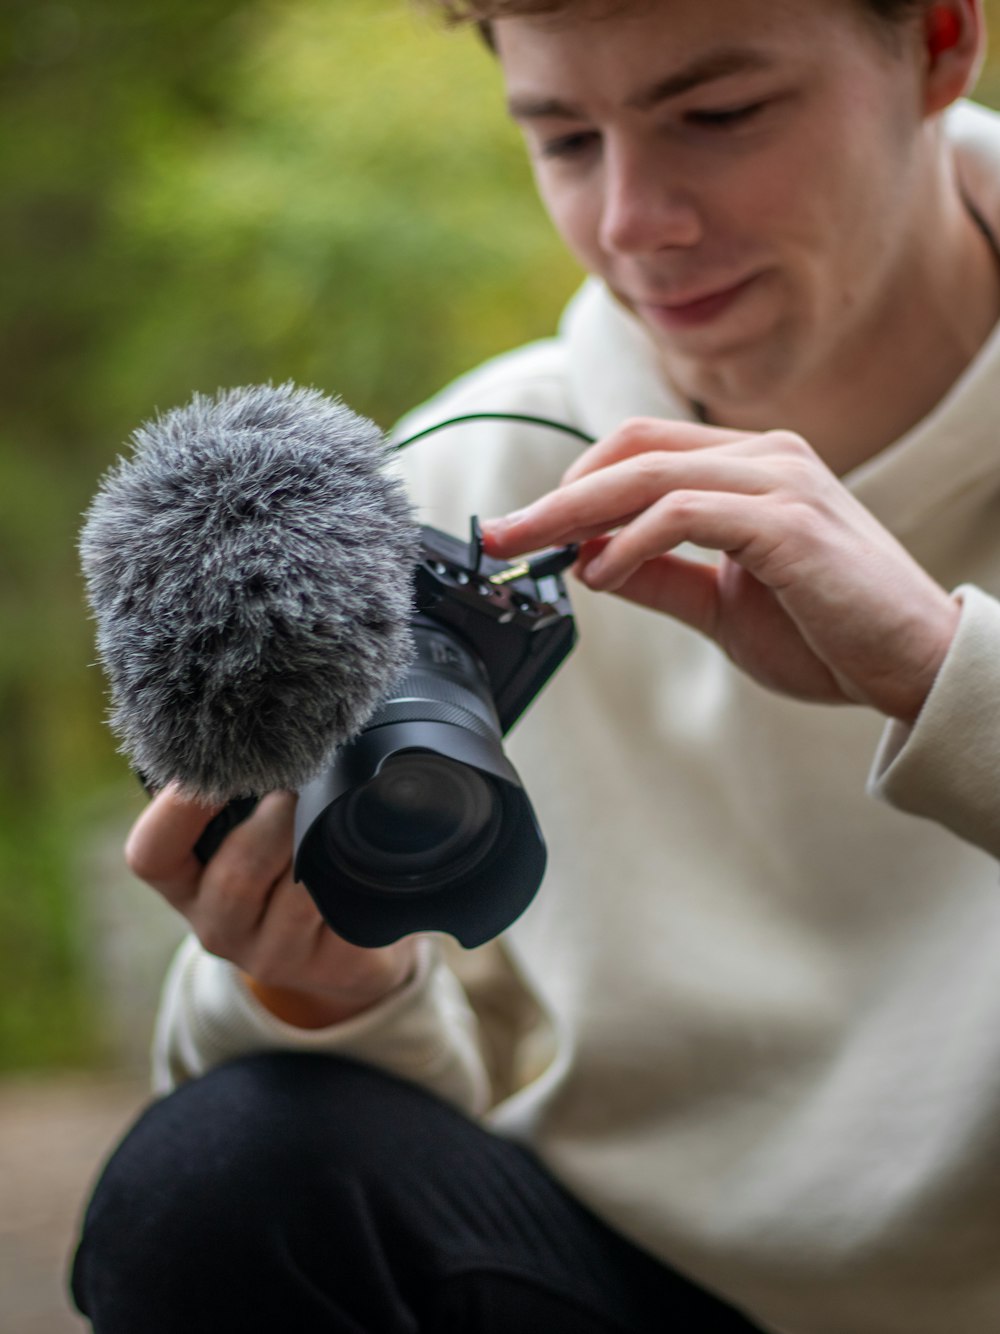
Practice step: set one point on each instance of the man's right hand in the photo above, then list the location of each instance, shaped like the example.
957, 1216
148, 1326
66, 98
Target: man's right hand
244, 906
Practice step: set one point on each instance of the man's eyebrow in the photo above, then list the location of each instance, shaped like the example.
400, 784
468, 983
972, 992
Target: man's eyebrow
715, 65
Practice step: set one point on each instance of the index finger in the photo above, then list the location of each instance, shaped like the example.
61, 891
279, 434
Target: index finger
640, 435
160, 847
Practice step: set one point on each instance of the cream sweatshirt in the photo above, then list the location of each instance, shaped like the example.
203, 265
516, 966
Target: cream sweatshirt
765, 959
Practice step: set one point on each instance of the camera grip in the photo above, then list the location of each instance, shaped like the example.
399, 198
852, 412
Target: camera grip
222, 824
218, 827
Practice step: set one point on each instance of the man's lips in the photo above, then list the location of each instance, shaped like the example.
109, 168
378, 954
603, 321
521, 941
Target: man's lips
691, 310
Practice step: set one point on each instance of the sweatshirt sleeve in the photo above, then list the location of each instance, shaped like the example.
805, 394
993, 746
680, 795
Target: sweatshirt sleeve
425, 1032
946, 766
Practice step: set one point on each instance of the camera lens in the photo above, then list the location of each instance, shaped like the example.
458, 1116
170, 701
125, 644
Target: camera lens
420, 813
420, 822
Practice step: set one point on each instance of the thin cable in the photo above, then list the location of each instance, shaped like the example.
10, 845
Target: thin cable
497, 416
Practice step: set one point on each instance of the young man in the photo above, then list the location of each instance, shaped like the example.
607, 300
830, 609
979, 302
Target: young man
771, 996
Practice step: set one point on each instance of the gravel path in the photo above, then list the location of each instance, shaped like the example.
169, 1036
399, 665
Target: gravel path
54, 1134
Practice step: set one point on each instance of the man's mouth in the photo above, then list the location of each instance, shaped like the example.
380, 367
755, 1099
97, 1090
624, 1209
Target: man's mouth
689, 310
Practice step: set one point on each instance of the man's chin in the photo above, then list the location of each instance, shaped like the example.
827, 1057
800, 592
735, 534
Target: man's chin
739, 359
736, 386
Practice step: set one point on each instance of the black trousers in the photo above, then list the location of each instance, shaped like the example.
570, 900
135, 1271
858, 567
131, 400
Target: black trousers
299, 1194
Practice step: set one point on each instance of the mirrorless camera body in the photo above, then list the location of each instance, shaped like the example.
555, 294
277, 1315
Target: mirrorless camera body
420, 823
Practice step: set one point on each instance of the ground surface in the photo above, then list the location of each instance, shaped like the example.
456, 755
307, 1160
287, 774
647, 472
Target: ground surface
56, 1130
54, 1133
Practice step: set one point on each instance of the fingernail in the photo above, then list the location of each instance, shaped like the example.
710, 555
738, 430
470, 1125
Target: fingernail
492, 530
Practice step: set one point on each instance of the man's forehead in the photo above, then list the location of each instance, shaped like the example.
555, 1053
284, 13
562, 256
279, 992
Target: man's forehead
705, 67
638, 56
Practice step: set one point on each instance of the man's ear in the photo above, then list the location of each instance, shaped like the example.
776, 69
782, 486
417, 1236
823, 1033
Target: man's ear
953, 42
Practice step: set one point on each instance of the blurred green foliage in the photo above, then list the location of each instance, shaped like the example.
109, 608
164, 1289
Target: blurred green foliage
201, 193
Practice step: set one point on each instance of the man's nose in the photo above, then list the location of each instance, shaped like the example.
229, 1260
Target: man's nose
644, 210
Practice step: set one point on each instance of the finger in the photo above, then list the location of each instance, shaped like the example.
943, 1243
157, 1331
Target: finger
277, 945
616, 495
717, 521
239, 881
691, 592
645, 434
160, 847
507, 542
589, 550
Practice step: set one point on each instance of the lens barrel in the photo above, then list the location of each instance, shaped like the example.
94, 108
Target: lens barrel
421, 823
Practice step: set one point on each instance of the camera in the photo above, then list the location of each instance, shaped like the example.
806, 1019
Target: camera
420, 823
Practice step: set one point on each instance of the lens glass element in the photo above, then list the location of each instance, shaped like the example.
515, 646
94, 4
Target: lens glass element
423, 819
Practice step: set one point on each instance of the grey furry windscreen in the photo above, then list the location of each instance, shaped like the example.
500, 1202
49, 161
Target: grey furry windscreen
250, 570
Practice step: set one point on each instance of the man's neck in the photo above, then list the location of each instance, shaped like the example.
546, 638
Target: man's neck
933, 325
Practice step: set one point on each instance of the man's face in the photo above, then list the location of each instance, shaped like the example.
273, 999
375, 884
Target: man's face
742, 174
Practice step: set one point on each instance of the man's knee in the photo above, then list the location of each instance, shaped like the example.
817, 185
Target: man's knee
255, 1150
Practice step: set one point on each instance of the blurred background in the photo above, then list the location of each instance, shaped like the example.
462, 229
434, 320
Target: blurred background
197, 193
201, 193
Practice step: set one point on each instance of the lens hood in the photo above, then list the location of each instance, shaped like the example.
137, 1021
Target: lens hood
474, 900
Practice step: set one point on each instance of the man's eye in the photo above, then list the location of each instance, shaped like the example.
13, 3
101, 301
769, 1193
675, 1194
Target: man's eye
569, 145
725, 117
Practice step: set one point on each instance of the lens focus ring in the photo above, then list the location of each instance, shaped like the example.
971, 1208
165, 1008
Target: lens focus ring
409, 709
